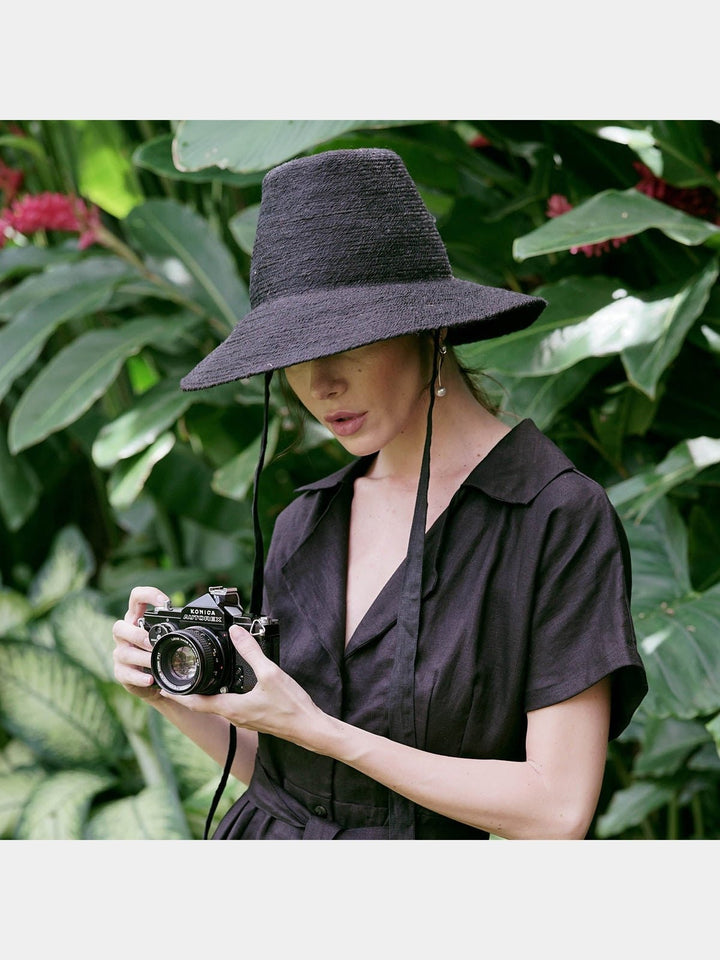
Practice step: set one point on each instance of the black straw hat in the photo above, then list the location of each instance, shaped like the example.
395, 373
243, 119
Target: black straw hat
346, 254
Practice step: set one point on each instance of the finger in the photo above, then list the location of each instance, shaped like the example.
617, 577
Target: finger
124, 632
249, 649
130, 655
140, 599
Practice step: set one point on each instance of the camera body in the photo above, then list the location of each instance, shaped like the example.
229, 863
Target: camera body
191, 647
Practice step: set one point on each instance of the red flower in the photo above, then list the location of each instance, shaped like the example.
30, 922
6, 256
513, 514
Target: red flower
478, 142
10, 181
558, 205
54, 211
697, 201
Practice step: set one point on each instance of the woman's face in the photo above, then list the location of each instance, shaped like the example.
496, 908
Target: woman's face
369, 396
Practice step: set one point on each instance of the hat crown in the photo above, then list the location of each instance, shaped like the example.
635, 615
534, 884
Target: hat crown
342, 218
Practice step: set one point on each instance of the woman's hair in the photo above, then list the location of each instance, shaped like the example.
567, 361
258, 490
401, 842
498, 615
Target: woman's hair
472, 379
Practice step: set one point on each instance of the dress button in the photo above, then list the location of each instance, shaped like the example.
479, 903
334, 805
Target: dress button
320, 810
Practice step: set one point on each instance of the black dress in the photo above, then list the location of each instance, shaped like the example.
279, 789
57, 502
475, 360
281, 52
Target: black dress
525, 604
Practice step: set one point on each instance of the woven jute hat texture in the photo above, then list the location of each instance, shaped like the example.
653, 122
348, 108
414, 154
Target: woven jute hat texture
346, 254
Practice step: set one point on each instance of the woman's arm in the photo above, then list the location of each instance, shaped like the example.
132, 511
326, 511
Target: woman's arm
552, 794
132, 670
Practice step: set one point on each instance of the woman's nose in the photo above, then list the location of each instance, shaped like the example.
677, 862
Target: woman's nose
325, 381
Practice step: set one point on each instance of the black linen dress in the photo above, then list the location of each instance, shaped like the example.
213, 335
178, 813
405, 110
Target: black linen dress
525, 604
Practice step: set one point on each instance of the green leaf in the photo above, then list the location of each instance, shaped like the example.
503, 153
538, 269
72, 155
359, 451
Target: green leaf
193, 767
542, 398
635, 496
56, 707
156, 155
22, 340
15, 612
679, 647
18, 261
19, 487
84, 632
105, 174
16, 789
235, 478
204, 266
128, 478
610, 214
677, 628
96, 271
67, 567
74, 379
135, 430
243, 227
149, 815
247, 145
645, 363
667, 745
713, 728
630, 806
58, 807
585, 317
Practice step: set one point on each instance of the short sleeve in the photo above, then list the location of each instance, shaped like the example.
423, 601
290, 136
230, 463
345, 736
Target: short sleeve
582, 629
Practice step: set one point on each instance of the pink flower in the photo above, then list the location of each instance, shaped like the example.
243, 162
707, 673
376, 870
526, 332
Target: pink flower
558, 205
479, 142
54, 211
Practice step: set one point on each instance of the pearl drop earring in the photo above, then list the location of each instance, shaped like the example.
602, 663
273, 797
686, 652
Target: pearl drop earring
440, 391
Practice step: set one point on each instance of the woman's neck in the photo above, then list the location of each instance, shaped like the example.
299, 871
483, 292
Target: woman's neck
463, 434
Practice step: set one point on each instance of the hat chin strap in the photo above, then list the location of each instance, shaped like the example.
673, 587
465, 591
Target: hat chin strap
402, 678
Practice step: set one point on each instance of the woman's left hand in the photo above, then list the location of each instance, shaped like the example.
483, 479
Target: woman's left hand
276, 704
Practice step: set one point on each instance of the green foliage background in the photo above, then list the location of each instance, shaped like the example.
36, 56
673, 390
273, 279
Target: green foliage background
111, 477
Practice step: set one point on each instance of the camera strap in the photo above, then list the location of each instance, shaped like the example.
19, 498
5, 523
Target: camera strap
256, 595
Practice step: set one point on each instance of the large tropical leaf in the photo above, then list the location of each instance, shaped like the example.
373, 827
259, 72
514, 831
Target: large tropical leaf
595, 317
129, 476
19, 487
74, 379
19, 261
635, 496
200, 264
156, 155
149, 815
630, 806
58, 807
15, 611
67, 567
105, 173
63, 278
610, 214
235, 478
677, 628
135, 430
646, 362
247, 145
84, 631
56, 707
22, 340
16, 788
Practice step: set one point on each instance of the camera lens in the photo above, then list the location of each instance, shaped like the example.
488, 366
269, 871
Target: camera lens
184, 663
188, 661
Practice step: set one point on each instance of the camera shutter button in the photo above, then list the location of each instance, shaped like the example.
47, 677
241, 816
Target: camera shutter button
320, 811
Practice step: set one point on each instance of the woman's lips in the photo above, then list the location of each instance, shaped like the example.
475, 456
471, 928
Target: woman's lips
345, 423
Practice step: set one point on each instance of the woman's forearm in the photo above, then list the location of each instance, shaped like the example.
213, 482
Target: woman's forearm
210, 733
552, 794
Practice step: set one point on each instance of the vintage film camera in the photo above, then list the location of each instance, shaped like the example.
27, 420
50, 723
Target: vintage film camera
192, 651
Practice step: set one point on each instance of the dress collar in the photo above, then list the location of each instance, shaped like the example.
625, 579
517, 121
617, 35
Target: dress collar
516, 469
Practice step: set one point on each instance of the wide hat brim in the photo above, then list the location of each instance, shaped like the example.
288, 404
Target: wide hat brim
319, 323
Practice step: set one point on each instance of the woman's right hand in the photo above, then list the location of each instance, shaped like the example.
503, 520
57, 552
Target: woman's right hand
132, 646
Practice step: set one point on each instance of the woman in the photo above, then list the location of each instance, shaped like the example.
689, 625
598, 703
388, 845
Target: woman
456, 643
